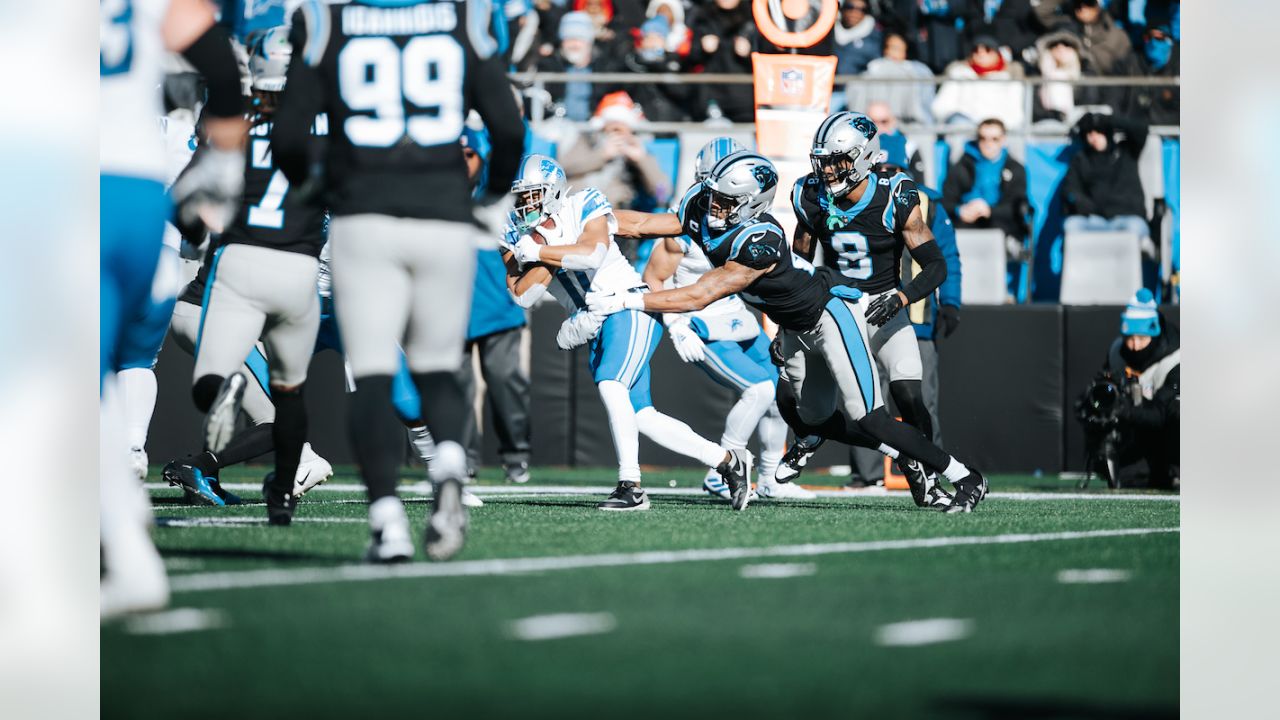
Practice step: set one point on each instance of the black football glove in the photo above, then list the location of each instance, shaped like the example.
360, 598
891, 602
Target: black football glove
883, 309
775, 352
947, 321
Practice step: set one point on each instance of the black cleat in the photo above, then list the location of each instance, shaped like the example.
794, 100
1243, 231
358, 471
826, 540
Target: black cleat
198, 488
281, 502
969, 492
447, 525
796, 457
627, 496
736, 472
925, 490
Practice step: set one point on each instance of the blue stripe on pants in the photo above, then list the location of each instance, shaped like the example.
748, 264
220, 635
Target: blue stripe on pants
739, 365
622, 349
859, 356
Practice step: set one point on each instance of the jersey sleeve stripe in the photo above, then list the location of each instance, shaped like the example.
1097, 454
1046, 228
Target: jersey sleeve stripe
891, 204
797, 204
316, 16
742, 238
479, 15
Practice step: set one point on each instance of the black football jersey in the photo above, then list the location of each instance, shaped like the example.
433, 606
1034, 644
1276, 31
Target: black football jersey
792, 294
267, 216
397, 80
861, 241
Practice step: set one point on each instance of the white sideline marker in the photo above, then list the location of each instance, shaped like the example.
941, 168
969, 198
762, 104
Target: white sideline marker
561, 625
1093, 576
178, 620
777, 571
198, 582
914, 633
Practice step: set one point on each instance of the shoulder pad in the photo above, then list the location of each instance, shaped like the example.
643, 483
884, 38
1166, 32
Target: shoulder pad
758, 245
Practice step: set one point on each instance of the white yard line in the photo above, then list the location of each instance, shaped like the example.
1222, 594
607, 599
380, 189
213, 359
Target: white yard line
562, 625
914, 633
777, 571
177, 620
1093, 576
238, 520
510, 491
199, 582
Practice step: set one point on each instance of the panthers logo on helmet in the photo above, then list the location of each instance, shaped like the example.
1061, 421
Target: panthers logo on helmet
765, 175
865, 126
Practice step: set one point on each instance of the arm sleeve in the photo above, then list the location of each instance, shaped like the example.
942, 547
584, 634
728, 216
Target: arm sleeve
933, 271
944, 233
211, 56
302, 100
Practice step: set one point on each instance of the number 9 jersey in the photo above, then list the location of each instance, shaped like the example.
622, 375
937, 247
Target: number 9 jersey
861, 241
396, 79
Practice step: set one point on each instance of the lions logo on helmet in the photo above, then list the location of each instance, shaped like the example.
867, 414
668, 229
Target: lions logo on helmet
540, 188
740, 187
711, 153
843, 151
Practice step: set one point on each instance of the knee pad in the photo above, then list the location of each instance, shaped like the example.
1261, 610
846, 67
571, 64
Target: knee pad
205, 391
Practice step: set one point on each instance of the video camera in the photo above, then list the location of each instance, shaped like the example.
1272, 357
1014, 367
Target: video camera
1098, 410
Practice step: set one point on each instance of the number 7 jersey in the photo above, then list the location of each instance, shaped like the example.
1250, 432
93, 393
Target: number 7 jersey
396, 79
861, 241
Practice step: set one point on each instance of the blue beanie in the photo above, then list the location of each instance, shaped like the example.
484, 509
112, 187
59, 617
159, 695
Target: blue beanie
577, 26
656, 24
1140, 317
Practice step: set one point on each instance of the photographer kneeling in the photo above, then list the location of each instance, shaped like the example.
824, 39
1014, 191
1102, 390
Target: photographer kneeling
1131, 411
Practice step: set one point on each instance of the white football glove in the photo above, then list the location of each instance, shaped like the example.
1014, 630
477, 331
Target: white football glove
578, 329
688, 345
608, 303
210, 189
526, 250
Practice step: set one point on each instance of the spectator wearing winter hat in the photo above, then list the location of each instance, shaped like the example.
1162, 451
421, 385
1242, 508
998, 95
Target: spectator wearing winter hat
988, 189
858, 39
661, 102
1160, 57
909, 101
613, 159
968, 102
1102, 189
575, 55
1145, 364
679, 40
1100, 35
898, 149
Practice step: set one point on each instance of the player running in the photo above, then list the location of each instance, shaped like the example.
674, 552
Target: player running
864, 220
396, 78
823, 340
133, 37
563, 244
726, 342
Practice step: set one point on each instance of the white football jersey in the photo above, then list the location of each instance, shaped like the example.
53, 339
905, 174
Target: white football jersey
694, 265
615, 274
131, 72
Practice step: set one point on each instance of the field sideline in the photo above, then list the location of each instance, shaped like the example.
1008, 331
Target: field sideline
849, 604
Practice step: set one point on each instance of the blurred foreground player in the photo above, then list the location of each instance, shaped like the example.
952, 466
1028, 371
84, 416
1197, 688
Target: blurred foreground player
396, 79
133, 37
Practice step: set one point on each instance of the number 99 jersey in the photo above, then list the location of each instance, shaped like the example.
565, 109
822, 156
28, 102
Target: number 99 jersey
861, 241
397, 79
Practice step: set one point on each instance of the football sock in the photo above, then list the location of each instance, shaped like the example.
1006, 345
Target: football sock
676, 436
289, 432
423, 443
745, 415
773, 439
444, 408
138, 397
885, 449
375, 435
251, 443
904, 437
909, 397
622, 424
955, 471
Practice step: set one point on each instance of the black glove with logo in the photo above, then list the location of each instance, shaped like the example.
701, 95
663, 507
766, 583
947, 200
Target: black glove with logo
883, 308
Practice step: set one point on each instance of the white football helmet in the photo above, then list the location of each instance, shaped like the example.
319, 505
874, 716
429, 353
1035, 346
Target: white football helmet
270, 60
844, 149
740, 186
540, 188
711, 153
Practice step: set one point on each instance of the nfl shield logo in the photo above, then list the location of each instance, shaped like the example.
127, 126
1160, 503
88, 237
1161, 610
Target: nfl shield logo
792, 81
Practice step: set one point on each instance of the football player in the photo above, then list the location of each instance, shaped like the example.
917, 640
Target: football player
133, 37
823, 334
397, 79
725, 341
864, 220
563, 244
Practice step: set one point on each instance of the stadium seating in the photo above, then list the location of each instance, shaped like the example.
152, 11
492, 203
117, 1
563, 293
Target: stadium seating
982, 257
1100, 268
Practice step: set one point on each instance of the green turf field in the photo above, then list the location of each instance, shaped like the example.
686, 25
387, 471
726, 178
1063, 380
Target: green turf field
807, 609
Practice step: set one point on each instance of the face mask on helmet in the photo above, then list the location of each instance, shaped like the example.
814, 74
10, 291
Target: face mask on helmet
722, 210
837, 170
529, 207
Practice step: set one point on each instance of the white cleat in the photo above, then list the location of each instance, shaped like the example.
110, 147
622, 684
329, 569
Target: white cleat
773, 490
138, 463
470, 499
390, 537
447, 524
135, 580
715, 485
312, 471
220, 423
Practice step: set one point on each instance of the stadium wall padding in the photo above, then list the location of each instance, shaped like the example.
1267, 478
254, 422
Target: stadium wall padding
1009, 378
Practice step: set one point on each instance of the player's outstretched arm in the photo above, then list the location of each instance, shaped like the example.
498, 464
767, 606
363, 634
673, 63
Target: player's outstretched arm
642, 225
586, 254
720, 282
663, 262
